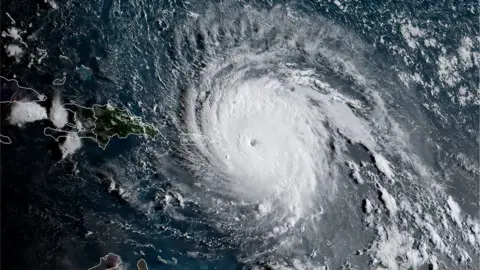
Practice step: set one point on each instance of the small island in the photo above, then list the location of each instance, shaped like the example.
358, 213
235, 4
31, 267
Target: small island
142, 265
108, 262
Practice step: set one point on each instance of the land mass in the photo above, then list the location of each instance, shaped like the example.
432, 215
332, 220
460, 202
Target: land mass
101, 123
21, 105
108, 262
142, 265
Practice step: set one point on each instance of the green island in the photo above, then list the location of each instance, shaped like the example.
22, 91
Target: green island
106, 121
102, 122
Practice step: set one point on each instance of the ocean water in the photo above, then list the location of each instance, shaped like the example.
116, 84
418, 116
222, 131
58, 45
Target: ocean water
293, 135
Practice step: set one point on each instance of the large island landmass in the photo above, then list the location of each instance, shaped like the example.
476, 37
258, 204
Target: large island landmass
22, 105
101, 123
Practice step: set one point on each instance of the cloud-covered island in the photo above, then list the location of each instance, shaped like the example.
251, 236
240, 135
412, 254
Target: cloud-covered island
70, 121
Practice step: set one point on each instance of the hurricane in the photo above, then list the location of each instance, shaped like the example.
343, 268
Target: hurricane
263, 126
302, 135
276, 113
